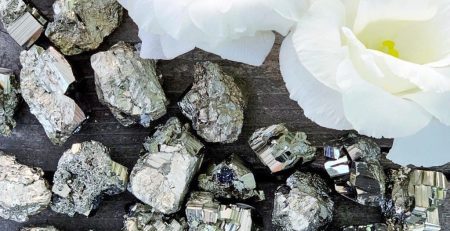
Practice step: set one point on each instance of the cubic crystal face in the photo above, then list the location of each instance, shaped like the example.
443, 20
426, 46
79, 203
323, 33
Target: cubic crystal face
84, 173
128, 85
302, 204
356, 169
23, 190
161, 176
204, 213
48, 228
24, 23
280, 149
229, 179
142, 218
214, 104
44, 78
81, 25
9, 100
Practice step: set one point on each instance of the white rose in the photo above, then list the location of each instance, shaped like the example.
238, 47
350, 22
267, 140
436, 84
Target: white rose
381, 67
238, 30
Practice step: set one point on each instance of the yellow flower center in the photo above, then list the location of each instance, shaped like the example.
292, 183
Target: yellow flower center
388, 47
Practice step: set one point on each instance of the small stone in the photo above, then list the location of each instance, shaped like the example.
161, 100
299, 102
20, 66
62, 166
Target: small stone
161, 176
214, 104
81, 25
337, 167
82, 177
206, 214
23, 190
303, 204
371, 227
280, 149
142, 218
128, 85
230, 179
48, 228
44, 79
24, 23
9, 100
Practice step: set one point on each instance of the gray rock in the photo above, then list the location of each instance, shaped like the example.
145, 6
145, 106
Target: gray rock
142, 218
370, 227
81, 25
303, 204
44, 79
128, 85
9, 100
214, 104
48, 228
161, 176
23, 190
280, 149
86, 172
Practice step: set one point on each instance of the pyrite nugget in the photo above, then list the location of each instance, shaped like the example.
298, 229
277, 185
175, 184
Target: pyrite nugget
48, 228
370, 227
44, 79
128, 85
24, 23
142, 218
214, 104
9, 100
205, 213
303, 204
161, 176
86, 172
81, 25
280, 149
229, 179
23, 190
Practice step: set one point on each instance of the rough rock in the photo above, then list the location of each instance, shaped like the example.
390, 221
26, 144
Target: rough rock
142, 218
161, 176
86, 172
214, 104
47, 228
44, 79
370, 227
128, 85
81, 25
23, 190
9, 100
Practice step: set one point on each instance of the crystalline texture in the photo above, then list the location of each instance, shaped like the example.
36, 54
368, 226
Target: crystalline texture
303, 204
371, 227
215, 104
48, 228
85, 172
142, 218
229, 179
204, 213
44, 79
23, 23
9, 99
161, 176
128, 85
81, 25
23, 190
280, 149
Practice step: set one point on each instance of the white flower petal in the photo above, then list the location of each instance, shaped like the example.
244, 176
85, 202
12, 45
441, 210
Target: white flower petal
151, 46
173, 16
320, 103
427, 148
173, 48
292, 10
438, 104
373, 111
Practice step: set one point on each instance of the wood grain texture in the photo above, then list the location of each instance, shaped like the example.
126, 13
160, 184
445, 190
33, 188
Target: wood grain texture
269, 103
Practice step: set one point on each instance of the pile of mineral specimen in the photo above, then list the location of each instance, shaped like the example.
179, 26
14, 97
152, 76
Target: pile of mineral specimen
303, 204
48, 228
280, 149
23, 190
161, 176
128, 85
353, 163
371, 227
86, 172
9, 99
142, 218
44, 79
214, 104
23, 22
204, 213
81, 25
415, 198
229, 179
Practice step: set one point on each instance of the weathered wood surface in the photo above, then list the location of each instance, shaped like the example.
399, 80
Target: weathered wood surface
269, 103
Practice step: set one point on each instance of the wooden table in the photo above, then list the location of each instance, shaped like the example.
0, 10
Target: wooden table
268, 104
